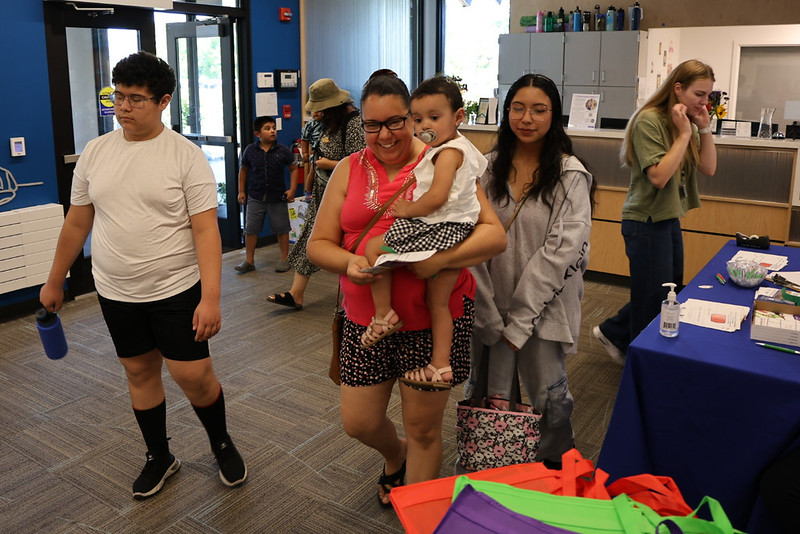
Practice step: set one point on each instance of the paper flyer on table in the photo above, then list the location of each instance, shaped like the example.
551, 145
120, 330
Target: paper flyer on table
716, 315
770, 261
391, 260
583, 111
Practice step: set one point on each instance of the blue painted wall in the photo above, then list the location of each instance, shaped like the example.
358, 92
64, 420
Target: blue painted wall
276, 45
25, 96
25, 112
25, 104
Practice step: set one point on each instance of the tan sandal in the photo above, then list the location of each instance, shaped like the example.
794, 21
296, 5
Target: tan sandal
372, 336
418, 379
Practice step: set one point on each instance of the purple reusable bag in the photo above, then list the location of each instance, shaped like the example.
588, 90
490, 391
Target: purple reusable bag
477, 513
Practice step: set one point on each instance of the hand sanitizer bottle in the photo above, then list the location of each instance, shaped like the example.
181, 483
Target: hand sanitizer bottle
670, 313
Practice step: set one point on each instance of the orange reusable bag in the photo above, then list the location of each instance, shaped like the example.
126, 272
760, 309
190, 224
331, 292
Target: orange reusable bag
421, 506
658, 492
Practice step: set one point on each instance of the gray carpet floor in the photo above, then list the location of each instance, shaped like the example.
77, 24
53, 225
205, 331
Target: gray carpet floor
71, 446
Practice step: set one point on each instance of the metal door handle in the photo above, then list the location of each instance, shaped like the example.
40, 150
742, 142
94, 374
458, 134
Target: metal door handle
70, 158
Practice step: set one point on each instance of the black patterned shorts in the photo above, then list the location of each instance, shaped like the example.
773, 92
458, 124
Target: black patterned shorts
413, 235
402, 351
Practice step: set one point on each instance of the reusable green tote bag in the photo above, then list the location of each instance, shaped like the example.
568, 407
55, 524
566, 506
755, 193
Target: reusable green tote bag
622, 515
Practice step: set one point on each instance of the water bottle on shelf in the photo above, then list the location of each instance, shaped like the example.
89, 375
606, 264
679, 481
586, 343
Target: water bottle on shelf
52, 333
577, 22
611, 16
560, 18
549, 22
636, 15
620, 20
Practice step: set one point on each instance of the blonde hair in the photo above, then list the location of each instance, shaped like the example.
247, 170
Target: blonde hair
662, 101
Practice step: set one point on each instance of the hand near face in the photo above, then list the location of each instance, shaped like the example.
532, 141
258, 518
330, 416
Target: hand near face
681, 119
701, 119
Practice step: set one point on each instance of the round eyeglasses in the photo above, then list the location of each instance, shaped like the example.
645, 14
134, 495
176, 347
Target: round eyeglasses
135, 101
538, 113
394, 123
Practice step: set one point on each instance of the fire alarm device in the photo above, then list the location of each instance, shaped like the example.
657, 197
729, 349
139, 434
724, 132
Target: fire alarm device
287, 111
284, 14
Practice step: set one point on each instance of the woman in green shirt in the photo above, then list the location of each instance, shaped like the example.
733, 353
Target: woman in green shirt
666, 142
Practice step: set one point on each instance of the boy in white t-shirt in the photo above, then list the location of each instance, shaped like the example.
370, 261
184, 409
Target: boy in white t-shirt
148, 197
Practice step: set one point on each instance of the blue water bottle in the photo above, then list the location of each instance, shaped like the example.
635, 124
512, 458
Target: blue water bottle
636, 16
52, 333
577, 21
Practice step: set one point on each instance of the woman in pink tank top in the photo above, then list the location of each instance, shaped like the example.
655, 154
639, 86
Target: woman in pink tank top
360, 185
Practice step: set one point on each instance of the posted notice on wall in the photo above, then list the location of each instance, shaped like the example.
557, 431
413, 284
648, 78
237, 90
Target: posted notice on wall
583, 112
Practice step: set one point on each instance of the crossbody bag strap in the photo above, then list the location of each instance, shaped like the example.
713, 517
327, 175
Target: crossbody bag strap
371, 223
516, 212
380, 212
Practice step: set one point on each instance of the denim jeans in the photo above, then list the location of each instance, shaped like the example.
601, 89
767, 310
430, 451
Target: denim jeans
655, 255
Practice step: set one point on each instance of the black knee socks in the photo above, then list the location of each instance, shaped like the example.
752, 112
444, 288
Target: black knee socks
213, 419
153, 424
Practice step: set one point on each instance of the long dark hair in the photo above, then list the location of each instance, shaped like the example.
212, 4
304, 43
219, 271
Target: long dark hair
333, 119
556, 145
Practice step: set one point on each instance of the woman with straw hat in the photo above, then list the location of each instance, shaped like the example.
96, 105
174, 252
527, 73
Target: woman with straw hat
341, 136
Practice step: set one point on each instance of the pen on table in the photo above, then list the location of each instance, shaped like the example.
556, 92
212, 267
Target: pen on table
720, 279
776, 347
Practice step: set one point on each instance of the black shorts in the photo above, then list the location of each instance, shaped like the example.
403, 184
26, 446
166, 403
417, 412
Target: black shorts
139, 327
402, 351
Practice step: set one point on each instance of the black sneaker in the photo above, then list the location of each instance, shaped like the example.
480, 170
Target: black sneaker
232, 470
155, 473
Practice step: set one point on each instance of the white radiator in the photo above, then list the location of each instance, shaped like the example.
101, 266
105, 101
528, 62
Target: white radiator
28, 239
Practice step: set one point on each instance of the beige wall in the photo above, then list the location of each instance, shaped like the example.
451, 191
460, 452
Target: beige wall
676, 13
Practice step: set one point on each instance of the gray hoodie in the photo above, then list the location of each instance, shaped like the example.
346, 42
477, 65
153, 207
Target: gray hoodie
536, 285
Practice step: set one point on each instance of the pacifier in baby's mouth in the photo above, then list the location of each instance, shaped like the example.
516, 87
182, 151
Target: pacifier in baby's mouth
427, 136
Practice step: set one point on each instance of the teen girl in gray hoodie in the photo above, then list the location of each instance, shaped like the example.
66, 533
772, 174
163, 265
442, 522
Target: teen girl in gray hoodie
527, 305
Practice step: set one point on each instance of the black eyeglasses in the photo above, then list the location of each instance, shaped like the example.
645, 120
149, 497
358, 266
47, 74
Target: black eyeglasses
395, 123
135, 101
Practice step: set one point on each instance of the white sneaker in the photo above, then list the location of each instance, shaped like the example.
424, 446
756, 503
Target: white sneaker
616, 355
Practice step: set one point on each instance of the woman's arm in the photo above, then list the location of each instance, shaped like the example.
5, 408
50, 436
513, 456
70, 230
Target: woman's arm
324, 245
660, 173
487, 240
708, 155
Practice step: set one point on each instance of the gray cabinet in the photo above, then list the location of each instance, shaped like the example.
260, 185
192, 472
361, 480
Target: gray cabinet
582, 58
528, 53
604, 63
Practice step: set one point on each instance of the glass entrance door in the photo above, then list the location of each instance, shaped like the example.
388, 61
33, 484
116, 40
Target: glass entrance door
83, 45
203, 107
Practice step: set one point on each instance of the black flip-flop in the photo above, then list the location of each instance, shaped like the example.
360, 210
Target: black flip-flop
284, 299
387, 482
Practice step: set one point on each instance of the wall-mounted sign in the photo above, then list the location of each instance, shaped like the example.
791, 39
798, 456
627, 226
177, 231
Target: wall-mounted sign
106, 105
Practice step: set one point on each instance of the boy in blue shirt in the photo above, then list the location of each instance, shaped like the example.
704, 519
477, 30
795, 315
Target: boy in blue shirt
262, 185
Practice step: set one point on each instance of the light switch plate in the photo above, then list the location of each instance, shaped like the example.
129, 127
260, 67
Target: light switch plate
17, 146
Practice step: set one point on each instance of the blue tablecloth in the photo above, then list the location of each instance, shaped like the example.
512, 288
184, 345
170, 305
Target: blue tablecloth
709, 408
